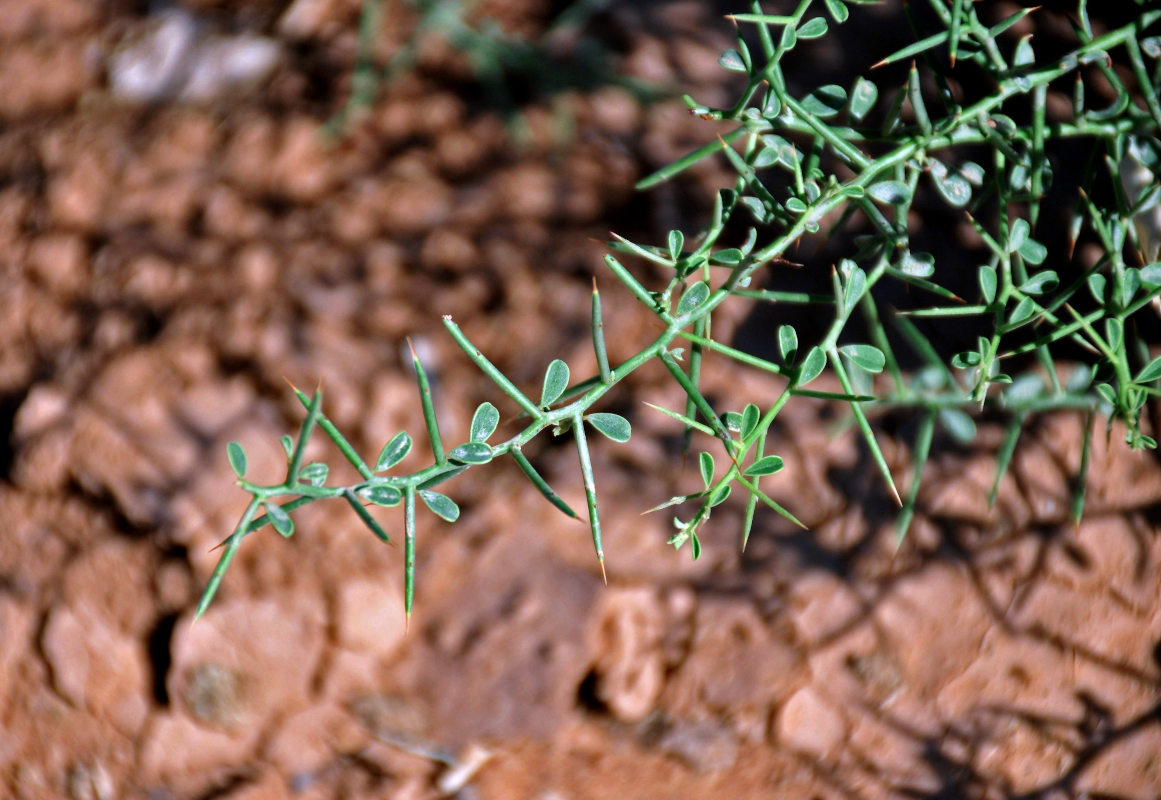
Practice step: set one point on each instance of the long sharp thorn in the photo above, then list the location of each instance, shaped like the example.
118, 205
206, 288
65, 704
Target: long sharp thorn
428, 403
590, 489
408, 555
598, 332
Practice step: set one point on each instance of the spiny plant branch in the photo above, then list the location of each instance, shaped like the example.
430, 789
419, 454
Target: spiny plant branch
780, 148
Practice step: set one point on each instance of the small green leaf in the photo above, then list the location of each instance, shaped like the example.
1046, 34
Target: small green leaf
237, 457
825, 101
757, 210
1022, 311
386, 496
767, 465
440, 504
694, 545
1005, 126
1151, 275
954, 188
917, 265
751, 416
719, 495
767, 156
394, 451
787, 343
1024, 56
1107, 393
314, 473
728, 257
853, 288
973, 173
555, 382
988, 283
863, 97
773, 106
1019, 179
813, 28
287, 445
732, 60
1096, 285
694, 296
1033, 252
614, 426
789, 38
1115, 333
279, 519
796, 205
1147, 201
676, 243
961, 427
733, 421
484, 422
1151, 372
889, 193
865, 356
471, 453
1018, 234
839, 11
966, 360
1041, 282
812, 366
706, 463
1130, 284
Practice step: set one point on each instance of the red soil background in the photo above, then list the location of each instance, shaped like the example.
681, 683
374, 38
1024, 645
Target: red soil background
166, 266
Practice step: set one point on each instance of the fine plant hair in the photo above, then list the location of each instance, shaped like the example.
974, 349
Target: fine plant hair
848, 165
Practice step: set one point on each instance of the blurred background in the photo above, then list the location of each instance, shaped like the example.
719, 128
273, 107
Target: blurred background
200, 200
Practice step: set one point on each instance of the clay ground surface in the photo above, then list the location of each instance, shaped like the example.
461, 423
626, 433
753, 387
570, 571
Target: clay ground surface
166, 265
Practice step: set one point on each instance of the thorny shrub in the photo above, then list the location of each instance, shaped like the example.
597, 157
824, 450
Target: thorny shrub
968, 125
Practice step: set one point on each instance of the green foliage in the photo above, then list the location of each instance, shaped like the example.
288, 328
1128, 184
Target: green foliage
497, 60
859, 159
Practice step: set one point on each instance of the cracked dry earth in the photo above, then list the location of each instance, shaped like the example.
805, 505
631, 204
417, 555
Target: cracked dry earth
166, 266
